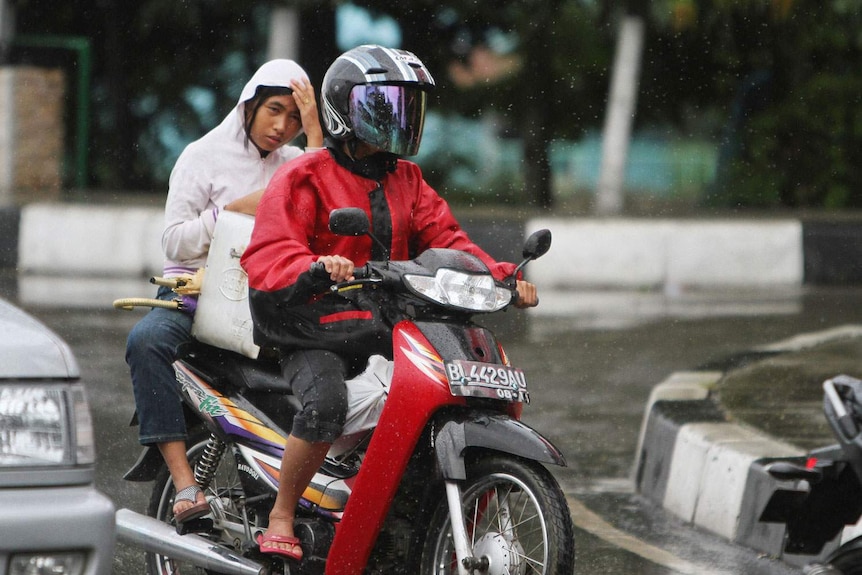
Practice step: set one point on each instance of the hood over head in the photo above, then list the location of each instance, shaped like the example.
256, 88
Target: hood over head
272, 73
275, 73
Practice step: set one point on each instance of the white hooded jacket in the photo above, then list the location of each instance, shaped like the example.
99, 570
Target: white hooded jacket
213, 171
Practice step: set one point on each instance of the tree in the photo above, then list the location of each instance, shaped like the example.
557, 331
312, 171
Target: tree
784, 72
773, 81
552, 62
165, 72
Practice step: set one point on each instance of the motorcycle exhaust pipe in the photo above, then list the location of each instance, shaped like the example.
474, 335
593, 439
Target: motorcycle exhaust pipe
152, 535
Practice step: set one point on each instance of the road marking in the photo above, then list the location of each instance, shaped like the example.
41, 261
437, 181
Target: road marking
592, 523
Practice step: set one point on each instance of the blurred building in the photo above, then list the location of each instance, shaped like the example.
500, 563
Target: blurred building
31, 133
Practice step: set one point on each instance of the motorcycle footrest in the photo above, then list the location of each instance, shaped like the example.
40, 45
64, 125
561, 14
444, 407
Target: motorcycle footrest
200, 525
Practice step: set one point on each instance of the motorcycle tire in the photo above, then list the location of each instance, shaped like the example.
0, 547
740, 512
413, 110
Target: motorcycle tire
849, 563
516, 516
223, 493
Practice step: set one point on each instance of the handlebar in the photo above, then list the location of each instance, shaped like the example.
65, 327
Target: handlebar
845, 419
318, 270
366, 274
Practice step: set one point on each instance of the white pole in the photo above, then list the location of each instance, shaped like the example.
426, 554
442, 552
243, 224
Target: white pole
283, 33
619, 116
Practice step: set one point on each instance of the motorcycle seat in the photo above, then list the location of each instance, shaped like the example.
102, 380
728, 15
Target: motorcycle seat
261, 375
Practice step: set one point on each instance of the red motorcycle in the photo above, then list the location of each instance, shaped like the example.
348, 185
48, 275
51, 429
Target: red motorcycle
435, 474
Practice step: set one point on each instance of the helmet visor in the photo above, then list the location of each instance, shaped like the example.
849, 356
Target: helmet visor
388, 117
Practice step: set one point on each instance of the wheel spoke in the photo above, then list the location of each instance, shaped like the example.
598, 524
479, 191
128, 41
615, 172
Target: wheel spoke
516, 519
225, 495
500, 506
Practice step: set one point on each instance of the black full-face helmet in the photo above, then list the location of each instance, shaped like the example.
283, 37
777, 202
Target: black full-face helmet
377, 95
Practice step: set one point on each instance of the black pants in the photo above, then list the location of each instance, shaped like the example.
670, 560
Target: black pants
317, 378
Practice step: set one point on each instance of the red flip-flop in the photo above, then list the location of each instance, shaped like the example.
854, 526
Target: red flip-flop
296, 555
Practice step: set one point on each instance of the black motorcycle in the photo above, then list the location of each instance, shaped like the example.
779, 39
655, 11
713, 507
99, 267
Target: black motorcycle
826, 492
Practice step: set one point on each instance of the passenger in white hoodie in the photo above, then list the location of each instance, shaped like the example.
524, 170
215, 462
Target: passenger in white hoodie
227, 169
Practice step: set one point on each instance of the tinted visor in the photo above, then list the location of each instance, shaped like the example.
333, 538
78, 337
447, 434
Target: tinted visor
388, 117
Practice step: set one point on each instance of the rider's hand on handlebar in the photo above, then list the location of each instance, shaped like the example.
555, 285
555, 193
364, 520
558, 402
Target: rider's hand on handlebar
527, 296
340, 269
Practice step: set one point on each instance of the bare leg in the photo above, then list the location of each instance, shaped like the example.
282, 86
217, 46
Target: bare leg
300, 462
174, 454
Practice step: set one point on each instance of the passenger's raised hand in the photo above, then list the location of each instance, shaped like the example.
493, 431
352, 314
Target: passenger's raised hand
303, 94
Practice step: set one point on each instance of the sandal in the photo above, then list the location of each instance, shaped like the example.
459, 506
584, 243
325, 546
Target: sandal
197, 510
268, 544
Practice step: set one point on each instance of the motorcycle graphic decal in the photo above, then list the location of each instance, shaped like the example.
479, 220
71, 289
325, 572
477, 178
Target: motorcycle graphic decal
207, 403
324, 495
425, 359
220, 409
261, 466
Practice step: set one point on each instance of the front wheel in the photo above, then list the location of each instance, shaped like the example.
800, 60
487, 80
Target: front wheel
517, 521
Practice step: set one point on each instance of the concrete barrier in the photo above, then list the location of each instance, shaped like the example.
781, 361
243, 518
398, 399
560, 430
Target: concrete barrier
670, 254
77, 239
624, 253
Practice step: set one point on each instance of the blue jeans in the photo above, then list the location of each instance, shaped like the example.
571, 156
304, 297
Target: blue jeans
150, 352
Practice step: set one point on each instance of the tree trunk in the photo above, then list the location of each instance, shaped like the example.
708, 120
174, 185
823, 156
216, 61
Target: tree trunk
619, 116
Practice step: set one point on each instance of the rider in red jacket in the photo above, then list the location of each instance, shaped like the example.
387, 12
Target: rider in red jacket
373, 109
291, 231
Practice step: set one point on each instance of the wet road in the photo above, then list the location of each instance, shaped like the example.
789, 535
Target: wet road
590, 366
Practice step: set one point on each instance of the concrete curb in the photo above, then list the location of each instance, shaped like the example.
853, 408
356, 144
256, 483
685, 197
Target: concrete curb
76, 239
697, 464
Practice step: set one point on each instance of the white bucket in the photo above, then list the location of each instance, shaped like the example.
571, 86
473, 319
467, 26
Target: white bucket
223, 318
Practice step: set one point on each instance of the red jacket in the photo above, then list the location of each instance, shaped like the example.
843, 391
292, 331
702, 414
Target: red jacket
291, 226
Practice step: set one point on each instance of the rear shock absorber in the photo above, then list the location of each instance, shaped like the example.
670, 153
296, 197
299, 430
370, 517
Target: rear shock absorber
207, 464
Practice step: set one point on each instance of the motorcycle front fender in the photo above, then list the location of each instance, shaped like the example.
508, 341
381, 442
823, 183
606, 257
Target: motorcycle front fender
493, 432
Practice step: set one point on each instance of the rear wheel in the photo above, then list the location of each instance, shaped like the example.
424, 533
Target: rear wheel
224, 494
517, 521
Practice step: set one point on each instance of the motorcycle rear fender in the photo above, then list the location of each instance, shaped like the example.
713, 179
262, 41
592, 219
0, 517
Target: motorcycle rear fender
497, 433
150, 460
147, 466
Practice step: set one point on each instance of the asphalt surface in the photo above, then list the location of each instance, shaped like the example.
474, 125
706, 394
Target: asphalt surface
781, 392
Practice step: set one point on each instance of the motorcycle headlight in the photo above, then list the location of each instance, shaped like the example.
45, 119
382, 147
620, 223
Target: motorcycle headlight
44, 424
469, 292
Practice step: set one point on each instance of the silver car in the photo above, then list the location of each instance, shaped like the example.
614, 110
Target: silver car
52, 518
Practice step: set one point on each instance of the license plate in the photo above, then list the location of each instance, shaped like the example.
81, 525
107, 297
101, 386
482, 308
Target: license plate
477, 379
